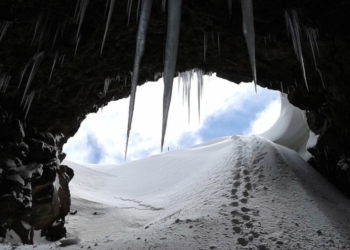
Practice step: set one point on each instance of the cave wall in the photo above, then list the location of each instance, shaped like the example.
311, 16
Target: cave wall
52, 76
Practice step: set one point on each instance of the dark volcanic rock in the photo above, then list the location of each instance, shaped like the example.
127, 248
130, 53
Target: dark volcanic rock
40, 34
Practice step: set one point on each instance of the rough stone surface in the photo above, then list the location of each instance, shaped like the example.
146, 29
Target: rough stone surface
49, 29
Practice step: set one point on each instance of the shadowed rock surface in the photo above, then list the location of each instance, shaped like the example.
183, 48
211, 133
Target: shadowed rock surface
63, 71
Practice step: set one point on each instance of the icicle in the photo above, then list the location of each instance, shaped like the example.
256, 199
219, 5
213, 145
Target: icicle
53, 66
138, 9
129, 7
106, 86
38, 22
200, 91
229, 5
62, 59
312, 36
249, 34
37, 60
163, 5
28, 103
188, 93
281, 87
58, 94
4, 82
140, 48
219, 44
81, 14
23, 73
172, 44
293, 29
76, 46
3, 29
205, 45
107, 4
39, 93
110, 12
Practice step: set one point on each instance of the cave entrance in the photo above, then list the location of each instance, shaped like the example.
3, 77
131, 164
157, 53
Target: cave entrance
226, 109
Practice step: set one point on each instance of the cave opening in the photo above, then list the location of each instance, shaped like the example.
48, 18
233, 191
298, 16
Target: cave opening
225, 109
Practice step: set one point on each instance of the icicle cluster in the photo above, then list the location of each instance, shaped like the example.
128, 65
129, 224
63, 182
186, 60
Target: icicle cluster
293, 28
186, 78
249, 33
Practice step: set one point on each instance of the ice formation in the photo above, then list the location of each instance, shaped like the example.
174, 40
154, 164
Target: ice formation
110, 12
76, 46
28, 103
312, 35
293, 28
80, 13
249, 34
140, 47
128, 9
3, 29
172, 43
37, 60
229, 6
205, 45
53, 66
219, 50
163, 5
106, 85
4, 82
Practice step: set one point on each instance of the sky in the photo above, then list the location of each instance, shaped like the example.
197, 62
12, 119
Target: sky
226, 109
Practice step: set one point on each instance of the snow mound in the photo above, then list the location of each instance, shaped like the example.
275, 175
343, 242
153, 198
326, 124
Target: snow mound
231, 193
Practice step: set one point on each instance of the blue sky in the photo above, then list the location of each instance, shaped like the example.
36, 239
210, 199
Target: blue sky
226, 109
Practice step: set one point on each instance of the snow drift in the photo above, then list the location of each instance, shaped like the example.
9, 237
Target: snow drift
229, 193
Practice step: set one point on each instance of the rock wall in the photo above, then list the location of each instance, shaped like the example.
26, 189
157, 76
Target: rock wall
52, 74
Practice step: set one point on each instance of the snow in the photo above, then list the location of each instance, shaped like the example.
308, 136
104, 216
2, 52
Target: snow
229, 193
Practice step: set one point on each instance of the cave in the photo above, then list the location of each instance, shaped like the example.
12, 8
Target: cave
56, 57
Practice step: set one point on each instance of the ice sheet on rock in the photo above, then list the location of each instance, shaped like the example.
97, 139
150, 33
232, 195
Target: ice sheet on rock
171, 48
140, 48
110, 12
249, 34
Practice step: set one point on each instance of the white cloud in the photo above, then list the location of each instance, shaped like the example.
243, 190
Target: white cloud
108, 128
266, 118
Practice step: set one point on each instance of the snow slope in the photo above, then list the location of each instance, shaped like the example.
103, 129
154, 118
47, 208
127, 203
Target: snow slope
229, 193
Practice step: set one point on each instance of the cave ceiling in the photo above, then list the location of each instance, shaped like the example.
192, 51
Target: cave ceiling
53, 59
